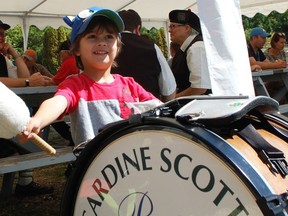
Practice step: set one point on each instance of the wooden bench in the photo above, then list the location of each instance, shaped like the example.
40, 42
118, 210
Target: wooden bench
12, 164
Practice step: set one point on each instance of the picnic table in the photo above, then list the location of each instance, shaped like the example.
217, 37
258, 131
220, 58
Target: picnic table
259, 79
33, 97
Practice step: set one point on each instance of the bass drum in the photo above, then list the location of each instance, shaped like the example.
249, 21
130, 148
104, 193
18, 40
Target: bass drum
159, 166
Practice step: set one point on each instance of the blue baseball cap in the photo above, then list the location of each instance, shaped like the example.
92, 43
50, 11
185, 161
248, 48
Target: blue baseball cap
259, 31
80, 22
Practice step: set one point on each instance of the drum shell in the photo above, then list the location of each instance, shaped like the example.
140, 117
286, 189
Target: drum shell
278, 184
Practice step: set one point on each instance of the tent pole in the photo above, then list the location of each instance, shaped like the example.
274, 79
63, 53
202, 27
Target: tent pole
25, 33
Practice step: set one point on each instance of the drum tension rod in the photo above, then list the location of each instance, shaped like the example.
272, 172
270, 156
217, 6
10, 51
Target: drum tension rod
273, 204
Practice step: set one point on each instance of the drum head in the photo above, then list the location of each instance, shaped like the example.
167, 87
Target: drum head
157, 170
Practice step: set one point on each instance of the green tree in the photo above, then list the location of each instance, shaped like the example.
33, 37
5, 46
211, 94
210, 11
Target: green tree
50, 47
15, 38
63, 34
158, 37
164, 46
273, 22
35, 42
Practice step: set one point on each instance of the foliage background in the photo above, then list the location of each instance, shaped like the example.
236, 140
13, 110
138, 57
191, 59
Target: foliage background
274, 22
45, 42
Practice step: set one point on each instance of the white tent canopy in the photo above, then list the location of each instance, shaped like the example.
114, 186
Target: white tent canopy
50, 12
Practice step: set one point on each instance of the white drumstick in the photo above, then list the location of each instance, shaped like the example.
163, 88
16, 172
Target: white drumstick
14, 116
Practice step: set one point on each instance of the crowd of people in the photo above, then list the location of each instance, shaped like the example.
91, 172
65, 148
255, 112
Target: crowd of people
106, 64
156, 77
272, 58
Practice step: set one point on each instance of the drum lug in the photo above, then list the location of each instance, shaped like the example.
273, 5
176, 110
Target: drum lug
273, 204
70, 167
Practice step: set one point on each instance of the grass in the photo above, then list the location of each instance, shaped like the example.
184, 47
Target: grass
43, 205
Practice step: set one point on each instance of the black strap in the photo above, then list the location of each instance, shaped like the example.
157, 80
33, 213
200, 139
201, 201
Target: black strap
271, 156
271, 127
197, 38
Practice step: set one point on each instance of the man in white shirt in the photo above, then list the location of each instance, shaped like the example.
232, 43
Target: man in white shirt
189, 66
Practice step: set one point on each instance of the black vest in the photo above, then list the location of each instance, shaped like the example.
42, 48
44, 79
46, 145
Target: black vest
3, 66
138, 59
180, 68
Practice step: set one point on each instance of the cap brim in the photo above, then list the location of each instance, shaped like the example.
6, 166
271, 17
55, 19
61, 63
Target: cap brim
28, 57
113, 16
5, 26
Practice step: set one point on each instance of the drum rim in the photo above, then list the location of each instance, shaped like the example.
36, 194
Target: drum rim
223, 150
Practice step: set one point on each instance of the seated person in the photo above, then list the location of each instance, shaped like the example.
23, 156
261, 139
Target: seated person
68, 63
30, 58
16, 74
9, 76
276, 51
256, 56
174, 47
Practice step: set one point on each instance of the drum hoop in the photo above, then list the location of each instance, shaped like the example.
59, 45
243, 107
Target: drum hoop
224, 151
278, 119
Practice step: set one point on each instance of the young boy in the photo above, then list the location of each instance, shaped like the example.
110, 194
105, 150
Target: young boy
95, 97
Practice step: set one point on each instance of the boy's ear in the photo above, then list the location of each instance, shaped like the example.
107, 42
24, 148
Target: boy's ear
137, 30
76, 53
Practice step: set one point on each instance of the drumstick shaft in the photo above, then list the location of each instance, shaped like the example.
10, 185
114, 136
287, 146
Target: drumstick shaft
43, 144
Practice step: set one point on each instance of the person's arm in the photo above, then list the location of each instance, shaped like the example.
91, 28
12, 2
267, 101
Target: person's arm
43, 70
166, 80
22, 70
266, 64
48, 112
35, 80
191, 91
13, 82
255, 68
168, 97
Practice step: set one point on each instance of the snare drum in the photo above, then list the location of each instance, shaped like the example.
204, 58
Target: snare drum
159, 166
